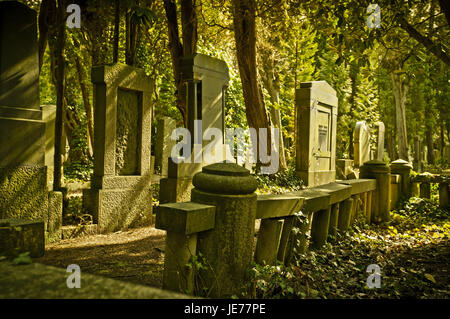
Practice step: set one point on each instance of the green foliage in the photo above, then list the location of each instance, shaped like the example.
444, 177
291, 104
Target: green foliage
281, 182
23, 259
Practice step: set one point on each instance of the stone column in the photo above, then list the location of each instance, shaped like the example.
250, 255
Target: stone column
425, 190
444, 193
228, 247
268, 241
334, 216
182, 221
319, 228
381, 196
345, 210
403, 168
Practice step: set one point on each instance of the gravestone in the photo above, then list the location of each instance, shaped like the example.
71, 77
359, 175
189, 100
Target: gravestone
206, 80
379, 152
361, 143
23, 175
317, 107
164, 143
120, 194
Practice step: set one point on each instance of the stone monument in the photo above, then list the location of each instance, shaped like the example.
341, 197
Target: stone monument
361, 143
317, 107
120, 194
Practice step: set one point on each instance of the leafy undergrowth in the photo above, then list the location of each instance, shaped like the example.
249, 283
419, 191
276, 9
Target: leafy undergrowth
281, 182
413, 253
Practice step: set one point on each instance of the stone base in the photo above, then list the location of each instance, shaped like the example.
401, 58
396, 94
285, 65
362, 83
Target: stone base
68, 232
119, 209
175, 190
23, 192
54, 218
19, 236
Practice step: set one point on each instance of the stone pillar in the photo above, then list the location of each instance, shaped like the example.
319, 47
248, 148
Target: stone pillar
164, 143
319, 228
345, 210
268, 241
228, 247
403, 168
425, 190
182, 221
381, 197
120, 195
178, 185
444, 194
334, 216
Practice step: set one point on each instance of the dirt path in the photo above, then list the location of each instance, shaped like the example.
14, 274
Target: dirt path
135, 255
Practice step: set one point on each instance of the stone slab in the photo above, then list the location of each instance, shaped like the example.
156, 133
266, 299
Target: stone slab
38, 281
20, 236
338, 192
360, 185
313, 200
185, 218
271, 205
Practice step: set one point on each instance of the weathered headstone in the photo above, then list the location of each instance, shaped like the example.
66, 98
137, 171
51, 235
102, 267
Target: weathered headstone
317, 107
418, 163
164, 143
23, 175
361, 143
120, 194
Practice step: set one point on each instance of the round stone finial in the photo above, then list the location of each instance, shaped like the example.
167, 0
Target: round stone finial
225, 178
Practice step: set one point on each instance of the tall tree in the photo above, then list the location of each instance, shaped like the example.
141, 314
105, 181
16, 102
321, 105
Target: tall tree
179, 49
244, 16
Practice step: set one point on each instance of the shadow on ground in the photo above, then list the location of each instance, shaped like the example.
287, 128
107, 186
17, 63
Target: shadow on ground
135, 255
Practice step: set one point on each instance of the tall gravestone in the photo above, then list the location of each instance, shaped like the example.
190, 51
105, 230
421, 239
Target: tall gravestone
317, 107
206, 81
361, 143
23, 175
120, 194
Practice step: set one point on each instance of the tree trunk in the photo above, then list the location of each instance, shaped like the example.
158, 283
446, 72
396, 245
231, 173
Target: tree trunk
400, 90
177, 50
245, 37
60, 89
271, 82
87, 105
47, 14
354, 70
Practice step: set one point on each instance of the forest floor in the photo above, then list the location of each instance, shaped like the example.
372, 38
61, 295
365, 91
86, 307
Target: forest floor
413, 253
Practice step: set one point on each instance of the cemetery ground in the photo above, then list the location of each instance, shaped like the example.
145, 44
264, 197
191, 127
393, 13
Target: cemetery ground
413, 252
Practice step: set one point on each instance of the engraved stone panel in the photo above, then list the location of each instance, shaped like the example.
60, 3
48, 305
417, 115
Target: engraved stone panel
128, 127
